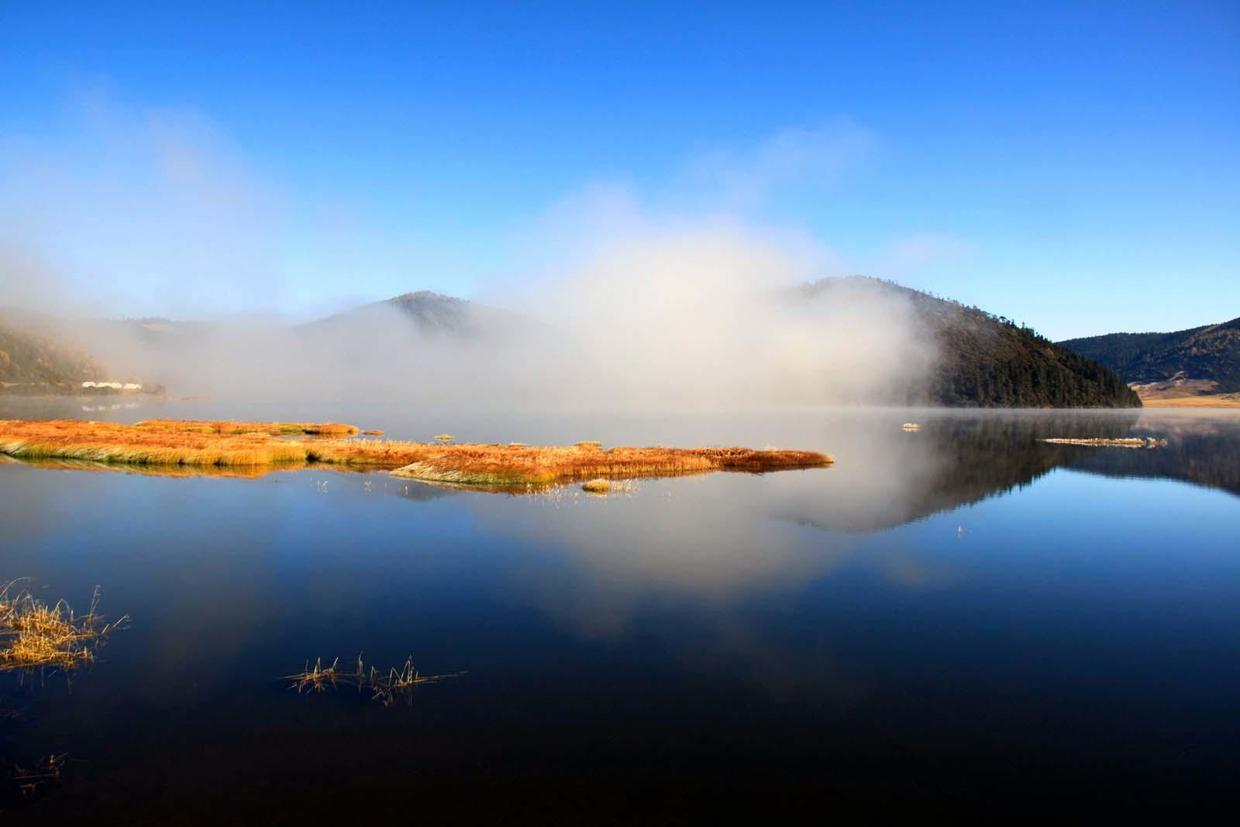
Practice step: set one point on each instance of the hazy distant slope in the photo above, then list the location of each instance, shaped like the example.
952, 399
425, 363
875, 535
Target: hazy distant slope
989, 361
1211, 352
983, 360
28, 358
430, 314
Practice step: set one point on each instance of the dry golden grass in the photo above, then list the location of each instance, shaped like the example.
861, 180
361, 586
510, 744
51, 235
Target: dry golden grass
372, 432
444, 437
598, 486
384, 687
1218, 400
496, 466
230, 428
34, 634
1096, 442
506, 466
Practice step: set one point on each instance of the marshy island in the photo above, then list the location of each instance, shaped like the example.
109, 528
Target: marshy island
256, 447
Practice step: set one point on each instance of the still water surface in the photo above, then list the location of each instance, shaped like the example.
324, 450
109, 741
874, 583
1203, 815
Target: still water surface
962, 615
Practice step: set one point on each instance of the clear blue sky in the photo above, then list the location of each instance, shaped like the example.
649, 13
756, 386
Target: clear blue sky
1075, 166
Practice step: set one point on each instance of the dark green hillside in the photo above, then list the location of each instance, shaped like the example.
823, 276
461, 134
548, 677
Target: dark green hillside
991, 362
1211, 353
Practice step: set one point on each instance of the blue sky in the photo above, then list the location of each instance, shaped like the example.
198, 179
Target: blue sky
1075, 166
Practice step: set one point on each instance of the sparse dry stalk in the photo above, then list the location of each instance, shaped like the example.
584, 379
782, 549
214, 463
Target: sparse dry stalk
383, 687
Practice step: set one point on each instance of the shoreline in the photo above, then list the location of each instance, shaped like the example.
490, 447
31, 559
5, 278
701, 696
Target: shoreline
1222, 402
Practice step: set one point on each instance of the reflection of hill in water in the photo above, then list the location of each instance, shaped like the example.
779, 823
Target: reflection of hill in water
896, 478
1201, 451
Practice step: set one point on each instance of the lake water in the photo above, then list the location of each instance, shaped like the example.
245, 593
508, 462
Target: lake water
962, 616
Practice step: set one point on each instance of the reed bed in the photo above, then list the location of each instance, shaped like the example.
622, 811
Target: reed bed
34, 634
230, 428
502, 466
384, 687
1124, 442
199, 445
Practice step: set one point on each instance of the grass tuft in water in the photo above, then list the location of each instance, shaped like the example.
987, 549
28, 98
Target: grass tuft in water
384, 687
46, 771
35, 635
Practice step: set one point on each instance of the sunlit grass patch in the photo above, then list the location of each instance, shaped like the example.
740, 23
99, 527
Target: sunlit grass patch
598, 486
511, 466
230, 428
35, 634
1102, 442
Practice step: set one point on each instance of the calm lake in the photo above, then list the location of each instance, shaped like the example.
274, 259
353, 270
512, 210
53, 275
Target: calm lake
963, 615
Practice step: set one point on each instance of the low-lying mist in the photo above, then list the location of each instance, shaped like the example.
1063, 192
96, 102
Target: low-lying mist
697, 318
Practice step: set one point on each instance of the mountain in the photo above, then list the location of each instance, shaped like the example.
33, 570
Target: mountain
973, 359
1208, 354
982, 360
430, 314
33, 361
989, 361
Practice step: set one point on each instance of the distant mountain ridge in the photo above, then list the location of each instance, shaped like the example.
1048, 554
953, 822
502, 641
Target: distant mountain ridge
982, 360
1207, 353
989, 361
431, 314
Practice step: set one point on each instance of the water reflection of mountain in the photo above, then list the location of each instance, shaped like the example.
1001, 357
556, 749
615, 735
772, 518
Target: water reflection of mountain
990, 455
958, 459
1203, 451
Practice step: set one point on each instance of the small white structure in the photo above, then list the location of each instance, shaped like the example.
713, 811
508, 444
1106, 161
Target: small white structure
89, 385
132, 386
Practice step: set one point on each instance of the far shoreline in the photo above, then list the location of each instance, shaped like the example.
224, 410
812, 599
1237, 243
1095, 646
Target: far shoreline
1227, 401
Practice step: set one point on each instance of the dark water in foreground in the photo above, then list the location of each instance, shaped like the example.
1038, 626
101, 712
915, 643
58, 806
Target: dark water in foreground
962, 616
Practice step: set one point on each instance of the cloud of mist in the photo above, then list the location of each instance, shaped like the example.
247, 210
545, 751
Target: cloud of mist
702, 317
710, 314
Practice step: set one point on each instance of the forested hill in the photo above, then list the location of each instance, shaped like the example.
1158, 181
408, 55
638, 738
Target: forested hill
33, 360
990, 361
1210, 353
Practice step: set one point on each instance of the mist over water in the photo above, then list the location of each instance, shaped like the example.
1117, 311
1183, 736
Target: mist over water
707, 317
